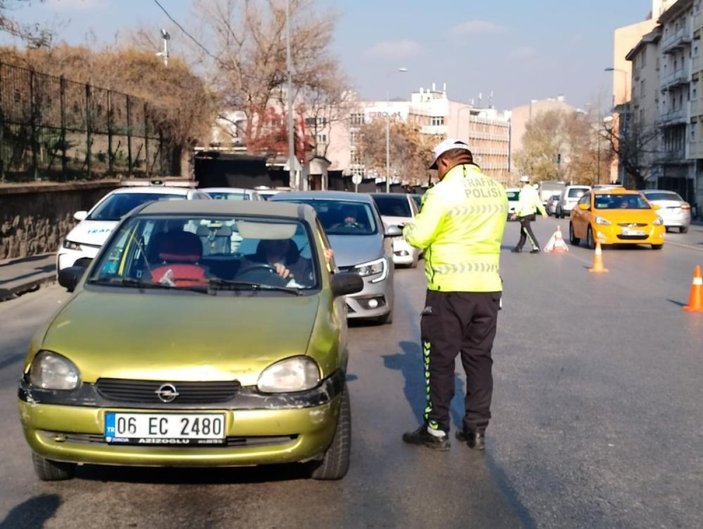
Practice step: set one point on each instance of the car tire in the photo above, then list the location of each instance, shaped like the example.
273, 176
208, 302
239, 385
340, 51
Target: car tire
335, 462
572, 238
683, 229
657, 246
47, 470
590, 242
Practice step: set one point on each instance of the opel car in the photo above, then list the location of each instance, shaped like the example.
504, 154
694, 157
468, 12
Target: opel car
178, 348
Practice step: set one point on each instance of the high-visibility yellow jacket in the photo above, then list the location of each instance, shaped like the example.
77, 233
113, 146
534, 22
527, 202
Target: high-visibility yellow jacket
529, 202
459, 229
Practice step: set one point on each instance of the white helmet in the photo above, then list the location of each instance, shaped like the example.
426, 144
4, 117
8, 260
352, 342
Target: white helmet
524, 178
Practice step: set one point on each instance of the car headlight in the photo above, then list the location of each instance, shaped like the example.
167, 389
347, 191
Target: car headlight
53, 371
658, 222
70, 245
372, 268
298, 373
602, 221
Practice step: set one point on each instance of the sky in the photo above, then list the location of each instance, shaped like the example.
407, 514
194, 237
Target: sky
516, 50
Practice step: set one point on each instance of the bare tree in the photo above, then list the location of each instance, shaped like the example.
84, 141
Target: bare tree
34, 35
636, 147
246, 46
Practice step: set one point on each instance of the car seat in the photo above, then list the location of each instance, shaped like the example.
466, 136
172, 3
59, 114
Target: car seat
178, 254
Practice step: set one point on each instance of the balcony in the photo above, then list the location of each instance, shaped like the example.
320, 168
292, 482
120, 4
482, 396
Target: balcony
695, 149
676, 41
675, 117
678, 78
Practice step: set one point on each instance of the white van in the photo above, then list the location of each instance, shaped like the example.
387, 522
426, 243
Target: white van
569, 196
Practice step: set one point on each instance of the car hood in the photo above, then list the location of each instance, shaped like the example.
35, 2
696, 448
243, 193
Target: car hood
350, 250
620, 216
162, 336
389, 220
94, 232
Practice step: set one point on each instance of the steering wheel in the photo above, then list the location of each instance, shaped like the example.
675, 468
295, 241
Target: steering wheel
261, 273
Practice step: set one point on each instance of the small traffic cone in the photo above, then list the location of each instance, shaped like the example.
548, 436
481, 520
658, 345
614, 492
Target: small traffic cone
598, 260
556, 243
695, 300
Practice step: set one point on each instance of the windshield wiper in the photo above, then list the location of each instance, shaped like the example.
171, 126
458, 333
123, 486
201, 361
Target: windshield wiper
143, 285
228, 284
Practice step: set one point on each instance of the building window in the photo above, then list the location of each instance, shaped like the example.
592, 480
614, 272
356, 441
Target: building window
322, 139
357, 118
437, 121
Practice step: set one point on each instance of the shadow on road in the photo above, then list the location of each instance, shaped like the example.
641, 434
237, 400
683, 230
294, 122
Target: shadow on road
33, 513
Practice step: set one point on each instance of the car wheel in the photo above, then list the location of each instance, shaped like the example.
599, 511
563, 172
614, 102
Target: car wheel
657, 246
572, 238
683, 229
590, 242
47, 470
335, 463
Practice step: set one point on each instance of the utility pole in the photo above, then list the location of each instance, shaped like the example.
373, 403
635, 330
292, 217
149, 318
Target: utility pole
165, 36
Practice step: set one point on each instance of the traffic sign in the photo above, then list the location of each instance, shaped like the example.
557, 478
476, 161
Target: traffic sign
356, 179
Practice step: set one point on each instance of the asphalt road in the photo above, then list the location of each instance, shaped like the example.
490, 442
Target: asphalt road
597, 417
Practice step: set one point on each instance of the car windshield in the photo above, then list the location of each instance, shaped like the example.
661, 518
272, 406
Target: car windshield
418, 200
576, 193
513, 195
343, 217
393, 205
209, 253
229, 195
117, 205
664, 195
620, 201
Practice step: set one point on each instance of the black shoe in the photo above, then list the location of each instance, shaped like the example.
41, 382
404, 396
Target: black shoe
535, 250
422, 437
515, 250
475, 440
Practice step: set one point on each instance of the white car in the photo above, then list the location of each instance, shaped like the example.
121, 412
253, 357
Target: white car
94, 226
397, 209
674, 210
232, 193
513, 199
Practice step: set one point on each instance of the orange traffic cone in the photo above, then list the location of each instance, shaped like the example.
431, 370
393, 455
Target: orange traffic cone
598, 260
695, 300
556, 243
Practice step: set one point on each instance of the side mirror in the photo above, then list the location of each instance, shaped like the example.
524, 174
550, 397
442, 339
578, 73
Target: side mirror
80, 215
393, 231
69, 277
344, 283
584, 207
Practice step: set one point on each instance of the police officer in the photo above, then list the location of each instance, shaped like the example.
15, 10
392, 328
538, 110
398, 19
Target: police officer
459, 228
525, 211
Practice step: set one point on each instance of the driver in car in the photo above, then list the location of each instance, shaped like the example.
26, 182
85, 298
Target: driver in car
283, 256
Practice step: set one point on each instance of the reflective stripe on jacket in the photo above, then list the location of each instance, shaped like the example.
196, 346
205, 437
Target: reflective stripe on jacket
460, 228
529, 202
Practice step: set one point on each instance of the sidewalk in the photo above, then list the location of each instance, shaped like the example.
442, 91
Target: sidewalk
18, 276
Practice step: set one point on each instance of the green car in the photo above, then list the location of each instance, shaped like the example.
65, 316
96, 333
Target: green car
204, 333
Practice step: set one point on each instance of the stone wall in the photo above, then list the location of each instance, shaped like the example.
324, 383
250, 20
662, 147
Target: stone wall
34, 218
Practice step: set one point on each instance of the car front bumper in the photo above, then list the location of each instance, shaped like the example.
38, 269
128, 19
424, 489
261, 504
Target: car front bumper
298, 431
616, 234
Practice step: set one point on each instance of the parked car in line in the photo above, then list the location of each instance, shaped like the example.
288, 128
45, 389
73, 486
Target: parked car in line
396, 210
231, 193
547, 188
513, 199
616, 216
267, 192
551, 206
568, 199
167, 355
86, 238
361, 243
673, 209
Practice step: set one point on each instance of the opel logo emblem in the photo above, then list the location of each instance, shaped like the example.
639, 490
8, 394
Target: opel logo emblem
167, 393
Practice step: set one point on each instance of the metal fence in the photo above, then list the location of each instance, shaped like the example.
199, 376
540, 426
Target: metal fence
59, 130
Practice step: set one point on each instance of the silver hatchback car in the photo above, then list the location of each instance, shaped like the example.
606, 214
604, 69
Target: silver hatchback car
360, 243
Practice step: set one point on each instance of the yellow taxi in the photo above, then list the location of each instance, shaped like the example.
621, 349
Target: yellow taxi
616, 216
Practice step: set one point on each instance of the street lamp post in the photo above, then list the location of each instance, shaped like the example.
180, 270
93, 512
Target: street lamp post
388, 138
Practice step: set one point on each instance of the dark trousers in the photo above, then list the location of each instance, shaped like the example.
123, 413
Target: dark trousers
459, 323
526, 232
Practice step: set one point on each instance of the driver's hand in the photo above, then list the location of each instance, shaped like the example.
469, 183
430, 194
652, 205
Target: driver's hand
282, 271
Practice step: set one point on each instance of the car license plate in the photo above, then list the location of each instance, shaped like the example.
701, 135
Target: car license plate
165, 428
633, 233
